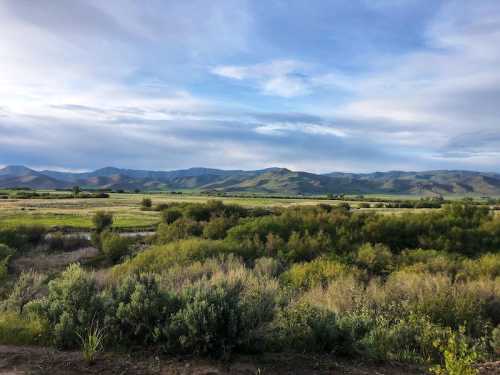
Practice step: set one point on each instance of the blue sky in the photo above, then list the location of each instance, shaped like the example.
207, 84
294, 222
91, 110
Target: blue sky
310, 85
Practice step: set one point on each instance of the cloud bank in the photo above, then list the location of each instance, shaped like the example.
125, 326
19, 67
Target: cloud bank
237, 84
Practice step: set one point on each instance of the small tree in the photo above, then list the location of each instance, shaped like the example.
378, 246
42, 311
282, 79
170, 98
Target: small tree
102, 221
76, 190
170, 215
146, 203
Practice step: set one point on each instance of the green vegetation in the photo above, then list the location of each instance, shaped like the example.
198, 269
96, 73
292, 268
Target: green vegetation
218, 279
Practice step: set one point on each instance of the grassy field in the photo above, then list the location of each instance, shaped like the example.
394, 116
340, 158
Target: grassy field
127, 208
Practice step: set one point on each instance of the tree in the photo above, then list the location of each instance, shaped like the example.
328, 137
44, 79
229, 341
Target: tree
146, 203
102, 221
76, 190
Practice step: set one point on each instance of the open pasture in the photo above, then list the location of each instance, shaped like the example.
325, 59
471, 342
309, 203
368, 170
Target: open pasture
126, 208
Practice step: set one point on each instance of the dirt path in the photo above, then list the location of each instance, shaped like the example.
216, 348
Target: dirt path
32, 360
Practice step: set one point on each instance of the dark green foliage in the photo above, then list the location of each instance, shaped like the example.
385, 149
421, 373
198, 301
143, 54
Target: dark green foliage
146, 203
23, 237
60, 242
102, 221
170, 215
179, 229
216, 229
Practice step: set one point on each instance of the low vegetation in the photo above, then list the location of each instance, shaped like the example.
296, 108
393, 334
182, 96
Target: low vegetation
218, 279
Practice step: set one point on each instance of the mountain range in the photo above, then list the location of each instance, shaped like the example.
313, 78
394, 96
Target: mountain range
266, 181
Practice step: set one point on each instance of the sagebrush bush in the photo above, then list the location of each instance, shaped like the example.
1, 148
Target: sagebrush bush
302, 327
26, 288
138, 311
114, 246
73, 303
210, 321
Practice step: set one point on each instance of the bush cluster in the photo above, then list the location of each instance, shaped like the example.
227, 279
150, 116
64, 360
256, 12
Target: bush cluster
220, 280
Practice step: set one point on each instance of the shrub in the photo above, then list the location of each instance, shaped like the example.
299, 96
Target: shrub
216, 229
146, 203
60, 242
179, 229
170, 215
138, 311
210, 322
5, 254
72, 304
306, 247
114, 246
267, 266
495, 340
198, 212
343, 295
318, 272
16, 329
25, 289
376, 258
227, 313
22, 237
302, 327
102, 221
407, 339
159, 258
458, 356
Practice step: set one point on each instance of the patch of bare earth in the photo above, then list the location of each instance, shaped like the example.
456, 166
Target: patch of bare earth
44, 262
33, 360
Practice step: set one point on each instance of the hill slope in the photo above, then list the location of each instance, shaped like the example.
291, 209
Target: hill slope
268, 181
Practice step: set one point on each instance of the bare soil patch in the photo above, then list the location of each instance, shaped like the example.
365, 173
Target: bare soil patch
44, 262
33, 360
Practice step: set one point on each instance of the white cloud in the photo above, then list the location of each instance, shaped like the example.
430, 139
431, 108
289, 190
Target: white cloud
284, 78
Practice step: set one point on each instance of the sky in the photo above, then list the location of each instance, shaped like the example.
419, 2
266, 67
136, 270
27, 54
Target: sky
317, 85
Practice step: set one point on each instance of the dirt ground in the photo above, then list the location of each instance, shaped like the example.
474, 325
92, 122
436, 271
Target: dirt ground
31, 360
34, 360
52, 262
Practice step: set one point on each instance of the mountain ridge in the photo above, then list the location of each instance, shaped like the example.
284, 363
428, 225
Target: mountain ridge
272, 180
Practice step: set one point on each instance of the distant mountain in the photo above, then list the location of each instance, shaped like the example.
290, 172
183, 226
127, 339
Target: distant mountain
269, 181
20, 176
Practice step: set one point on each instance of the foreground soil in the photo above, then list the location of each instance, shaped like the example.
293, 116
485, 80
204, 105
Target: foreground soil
33, 360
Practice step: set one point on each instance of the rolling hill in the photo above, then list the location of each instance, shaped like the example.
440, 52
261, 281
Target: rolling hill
266, 181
